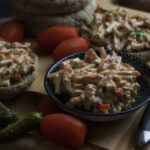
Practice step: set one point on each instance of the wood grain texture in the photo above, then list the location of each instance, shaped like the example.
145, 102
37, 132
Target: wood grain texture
38, 85
110, 135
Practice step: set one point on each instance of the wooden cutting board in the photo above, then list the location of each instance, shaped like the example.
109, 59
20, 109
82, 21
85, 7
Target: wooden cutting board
116, 135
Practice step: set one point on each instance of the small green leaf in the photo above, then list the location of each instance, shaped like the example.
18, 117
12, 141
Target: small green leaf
137, 33
18, 63
15, 50
122, 34
10, 51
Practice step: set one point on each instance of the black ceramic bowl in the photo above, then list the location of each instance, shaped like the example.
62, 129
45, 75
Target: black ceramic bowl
142, 98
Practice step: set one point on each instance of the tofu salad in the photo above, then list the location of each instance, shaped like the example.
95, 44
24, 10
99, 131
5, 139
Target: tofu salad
120, 30
15, 62
97, 84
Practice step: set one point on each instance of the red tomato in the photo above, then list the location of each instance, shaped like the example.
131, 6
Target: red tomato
64, 129
102, 107
47, 106
12, 31
48, 39
70, 46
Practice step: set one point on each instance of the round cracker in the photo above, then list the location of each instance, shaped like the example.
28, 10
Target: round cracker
8, 92
36, 23
48, 6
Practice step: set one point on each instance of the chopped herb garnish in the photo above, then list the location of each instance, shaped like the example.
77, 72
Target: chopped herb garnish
10, 51
15, 50
122, 34
137, 33
121, 25
18, 63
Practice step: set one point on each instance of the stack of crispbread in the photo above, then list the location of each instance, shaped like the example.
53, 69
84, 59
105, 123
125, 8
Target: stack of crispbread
40, 14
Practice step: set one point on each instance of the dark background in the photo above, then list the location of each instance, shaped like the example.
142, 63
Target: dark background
5, 9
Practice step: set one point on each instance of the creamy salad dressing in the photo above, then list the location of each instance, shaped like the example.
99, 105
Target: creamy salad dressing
15, 62
97, 84
120, 30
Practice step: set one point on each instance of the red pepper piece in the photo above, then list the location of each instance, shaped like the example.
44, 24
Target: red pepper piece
119, 91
